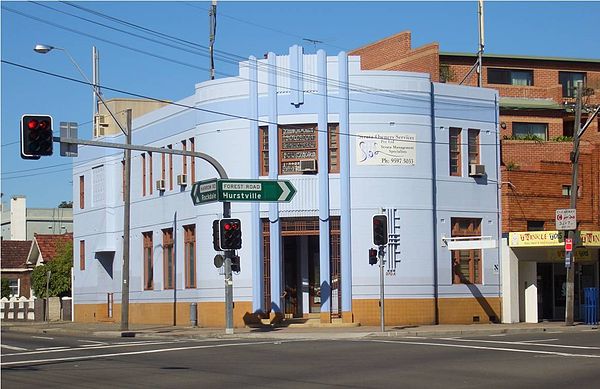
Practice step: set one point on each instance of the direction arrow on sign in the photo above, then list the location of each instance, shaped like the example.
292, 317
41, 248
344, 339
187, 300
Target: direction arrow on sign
208, 191
204, 191
255, 190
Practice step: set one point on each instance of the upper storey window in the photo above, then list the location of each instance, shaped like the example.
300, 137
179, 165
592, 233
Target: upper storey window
298, 149
519, 77
569, 81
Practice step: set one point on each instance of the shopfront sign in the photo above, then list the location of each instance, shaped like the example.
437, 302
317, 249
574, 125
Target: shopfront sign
536, 239
590, 238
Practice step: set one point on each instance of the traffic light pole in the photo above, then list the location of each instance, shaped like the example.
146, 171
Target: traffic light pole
228, 292
126, 228
382, 287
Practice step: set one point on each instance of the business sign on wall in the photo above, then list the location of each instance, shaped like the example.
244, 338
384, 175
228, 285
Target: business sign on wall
536, 239
386, 149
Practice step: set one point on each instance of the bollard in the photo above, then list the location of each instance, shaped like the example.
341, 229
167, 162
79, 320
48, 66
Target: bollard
194, 314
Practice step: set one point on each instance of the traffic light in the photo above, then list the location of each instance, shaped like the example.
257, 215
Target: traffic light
380, 231
235, 264
216, 234
36, 136
372, 256
230, 237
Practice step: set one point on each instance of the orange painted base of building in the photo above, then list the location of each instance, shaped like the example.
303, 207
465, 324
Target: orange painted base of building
365, 312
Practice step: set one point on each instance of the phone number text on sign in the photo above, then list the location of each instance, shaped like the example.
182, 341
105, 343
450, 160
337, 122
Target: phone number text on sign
387, 148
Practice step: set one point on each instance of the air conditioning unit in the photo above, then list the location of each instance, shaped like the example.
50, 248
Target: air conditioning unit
308, 165
476, 170
182, 179
160, 185
99, 125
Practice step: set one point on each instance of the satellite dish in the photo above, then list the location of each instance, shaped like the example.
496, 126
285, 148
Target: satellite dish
219, 260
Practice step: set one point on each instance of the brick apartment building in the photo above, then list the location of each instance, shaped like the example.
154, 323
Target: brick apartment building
536, 127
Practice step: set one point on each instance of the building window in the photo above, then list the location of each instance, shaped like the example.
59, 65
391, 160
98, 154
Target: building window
334, 147
533, 131
170, 147
263, 133
14, 287
184, 148
192, 161
190, 255
455, 167
82, 255
535, 225
144, 174
148, 261
473, 146
168, 260
466, 264
297, 143
520, 77
150, 182
569, 81
81, 192
566, 190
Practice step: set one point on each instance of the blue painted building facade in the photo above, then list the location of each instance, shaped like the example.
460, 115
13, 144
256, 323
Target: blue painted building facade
354, 143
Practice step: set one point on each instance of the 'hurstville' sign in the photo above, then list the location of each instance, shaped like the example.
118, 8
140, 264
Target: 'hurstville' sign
242, 190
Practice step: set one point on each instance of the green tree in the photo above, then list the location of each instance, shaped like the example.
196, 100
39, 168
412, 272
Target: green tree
5, 288
60, 274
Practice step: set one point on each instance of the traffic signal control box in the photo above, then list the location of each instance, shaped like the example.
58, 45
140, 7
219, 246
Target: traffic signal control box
36, 136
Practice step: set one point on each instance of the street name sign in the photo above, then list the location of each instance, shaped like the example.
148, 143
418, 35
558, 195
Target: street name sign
242, 190
204, 192
566, 219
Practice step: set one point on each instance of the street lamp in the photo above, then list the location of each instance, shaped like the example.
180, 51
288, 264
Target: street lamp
43, 49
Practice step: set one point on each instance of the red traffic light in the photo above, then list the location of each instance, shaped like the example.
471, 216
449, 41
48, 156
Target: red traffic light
227, 227
32, 124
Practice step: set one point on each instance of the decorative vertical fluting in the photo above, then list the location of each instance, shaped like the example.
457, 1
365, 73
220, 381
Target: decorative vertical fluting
345, 222
275, 226
255, 227
323, 164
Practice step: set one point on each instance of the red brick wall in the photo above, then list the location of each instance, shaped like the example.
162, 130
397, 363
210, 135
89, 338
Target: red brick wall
534, 190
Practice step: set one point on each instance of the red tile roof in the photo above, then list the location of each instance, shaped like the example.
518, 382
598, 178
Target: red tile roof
49, 243
14, 253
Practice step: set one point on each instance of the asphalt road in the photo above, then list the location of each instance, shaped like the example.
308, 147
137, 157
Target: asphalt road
540, 360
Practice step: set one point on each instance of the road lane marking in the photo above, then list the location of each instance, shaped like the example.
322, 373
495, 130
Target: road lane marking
35, 361
540, 340
492, 348
498, 335
49, 348
93, 347
14, 348
526, 344
90, 341
42, 337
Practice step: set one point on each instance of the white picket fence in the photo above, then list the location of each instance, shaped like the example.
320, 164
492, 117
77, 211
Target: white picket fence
17, 308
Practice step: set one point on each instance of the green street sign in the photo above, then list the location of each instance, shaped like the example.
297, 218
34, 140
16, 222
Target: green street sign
255, 190
208, 191
204, 192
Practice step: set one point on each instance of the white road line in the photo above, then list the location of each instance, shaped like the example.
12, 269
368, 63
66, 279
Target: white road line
94, 345
498, 335
33, 361
90, 341
49, 348
42, 337
526, 344
14, 348
88, 347
492, 348
554, 332
539, 340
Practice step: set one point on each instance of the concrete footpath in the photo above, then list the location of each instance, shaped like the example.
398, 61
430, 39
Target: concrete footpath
283, 332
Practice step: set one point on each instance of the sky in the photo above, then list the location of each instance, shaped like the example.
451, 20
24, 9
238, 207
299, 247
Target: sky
164, 69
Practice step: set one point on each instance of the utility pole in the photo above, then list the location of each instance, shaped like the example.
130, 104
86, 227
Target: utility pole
212, 25
481, 45
126, 226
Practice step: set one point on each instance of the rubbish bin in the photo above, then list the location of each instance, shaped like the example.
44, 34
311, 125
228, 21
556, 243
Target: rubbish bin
590, 307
